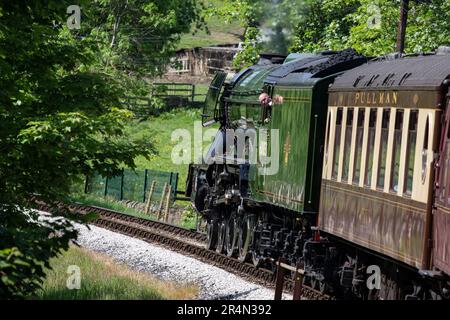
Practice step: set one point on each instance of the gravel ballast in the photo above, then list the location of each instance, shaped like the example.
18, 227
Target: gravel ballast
214, 283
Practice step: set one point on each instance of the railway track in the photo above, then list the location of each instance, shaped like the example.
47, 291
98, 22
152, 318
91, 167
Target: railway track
184, 241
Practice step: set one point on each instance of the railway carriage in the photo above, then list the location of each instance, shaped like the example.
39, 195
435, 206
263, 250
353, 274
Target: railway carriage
441, 209
382, 142
363, 179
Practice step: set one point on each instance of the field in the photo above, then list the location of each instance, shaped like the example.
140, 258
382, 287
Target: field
160, 130
104, 279
221, 32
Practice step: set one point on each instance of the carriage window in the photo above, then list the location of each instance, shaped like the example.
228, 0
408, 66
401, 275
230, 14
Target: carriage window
348, 144
411, 153
358, 146
383, 148
397, 150
371, 146
337, 143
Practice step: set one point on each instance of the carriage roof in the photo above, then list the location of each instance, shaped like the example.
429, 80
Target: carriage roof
426, 72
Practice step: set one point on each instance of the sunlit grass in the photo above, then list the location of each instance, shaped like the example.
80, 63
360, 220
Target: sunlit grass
221, 32
104, 279
160, 130
188, 215
107, 203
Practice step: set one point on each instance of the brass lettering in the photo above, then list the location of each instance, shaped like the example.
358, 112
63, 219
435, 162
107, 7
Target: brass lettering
374, 101
356, 98
381, 100
395, 97
388, 98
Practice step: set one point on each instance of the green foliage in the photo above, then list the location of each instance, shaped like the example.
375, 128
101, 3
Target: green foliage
371, 26
219, 29
324, 24
189, 218
138, 36
26, 246
247, 13
59, 119
250, 49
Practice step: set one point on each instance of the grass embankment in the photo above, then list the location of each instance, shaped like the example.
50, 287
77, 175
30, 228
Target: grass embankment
221, 32
107, 203
104, 279
160, 130
188, 216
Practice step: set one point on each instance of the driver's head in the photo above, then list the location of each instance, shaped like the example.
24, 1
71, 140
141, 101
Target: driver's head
264, 98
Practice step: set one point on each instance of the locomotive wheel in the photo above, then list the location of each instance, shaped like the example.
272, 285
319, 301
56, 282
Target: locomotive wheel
221, 233
314, 283
211, 235
323, 287
245, 238
231, 236
257, 259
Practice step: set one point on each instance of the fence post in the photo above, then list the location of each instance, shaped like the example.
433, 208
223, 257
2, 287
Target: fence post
193, 94
121, 185
279, 280
149, 199
161, 202
86, 184
145, 184
298, 284
166, 213
176, 185
106, 187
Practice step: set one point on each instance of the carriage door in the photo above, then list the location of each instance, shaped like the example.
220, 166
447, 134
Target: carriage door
441, 218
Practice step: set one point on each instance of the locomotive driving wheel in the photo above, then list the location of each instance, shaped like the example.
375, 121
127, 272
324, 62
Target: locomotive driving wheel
257, 257
211, 234
231, 236
221, 235
245, 237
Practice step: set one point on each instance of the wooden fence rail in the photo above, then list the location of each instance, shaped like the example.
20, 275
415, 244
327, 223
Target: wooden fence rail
174, 95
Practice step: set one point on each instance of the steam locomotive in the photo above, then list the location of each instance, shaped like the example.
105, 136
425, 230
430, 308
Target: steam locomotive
358, 177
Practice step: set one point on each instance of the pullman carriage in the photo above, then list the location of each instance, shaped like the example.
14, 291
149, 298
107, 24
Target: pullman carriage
382, 142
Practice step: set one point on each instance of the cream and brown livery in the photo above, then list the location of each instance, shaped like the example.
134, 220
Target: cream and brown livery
384, 139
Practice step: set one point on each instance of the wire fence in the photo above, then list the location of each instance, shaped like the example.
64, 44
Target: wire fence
134, 185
